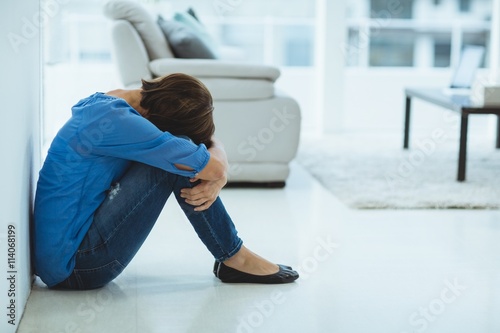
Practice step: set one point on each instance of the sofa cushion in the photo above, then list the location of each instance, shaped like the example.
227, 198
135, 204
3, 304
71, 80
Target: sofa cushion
184, 42
150, 33
233, 89
214, 68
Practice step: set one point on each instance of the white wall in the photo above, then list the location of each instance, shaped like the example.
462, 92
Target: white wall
19, 143
374, 98
300, 83
330, 60
374, 101
61, 77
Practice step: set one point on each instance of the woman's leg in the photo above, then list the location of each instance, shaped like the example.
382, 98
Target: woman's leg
214, 226
234, 262
123, 221
120, 226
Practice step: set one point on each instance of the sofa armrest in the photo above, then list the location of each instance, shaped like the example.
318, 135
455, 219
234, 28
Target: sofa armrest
213, 68
129, 53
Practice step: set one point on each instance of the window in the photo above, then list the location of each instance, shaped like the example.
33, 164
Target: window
465, 5
392, 48
398, 9
442, 50
414, 33
276, 32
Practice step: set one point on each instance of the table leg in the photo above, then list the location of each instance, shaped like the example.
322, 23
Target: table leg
498, 131
462, 153
407, 122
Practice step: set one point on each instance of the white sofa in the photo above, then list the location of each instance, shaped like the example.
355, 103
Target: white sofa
259, 126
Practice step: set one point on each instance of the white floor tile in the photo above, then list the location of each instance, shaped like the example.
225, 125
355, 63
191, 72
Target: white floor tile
361, 271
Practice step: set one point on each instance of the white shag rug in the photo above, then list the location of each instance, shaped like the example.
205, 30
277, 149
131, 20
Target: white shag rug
367, 175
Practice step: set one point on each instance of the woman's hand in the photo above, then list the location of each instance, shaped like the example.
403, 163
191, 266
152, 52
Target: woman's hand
203, 195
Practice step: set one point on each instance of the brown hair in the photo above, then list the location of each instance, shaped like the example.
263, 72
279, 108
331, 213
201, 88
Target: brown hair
179, 104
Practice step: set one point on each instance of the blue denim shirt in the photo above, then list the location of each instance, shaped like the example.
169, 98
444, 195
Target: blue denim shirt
91, 152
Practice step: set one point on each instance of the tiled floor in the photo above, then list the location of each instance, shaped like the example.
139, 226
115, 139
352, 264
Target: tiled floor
362, 271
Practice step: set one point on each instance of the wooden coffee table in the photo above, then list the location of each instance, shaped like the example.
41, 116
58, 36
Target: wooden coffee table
461, 104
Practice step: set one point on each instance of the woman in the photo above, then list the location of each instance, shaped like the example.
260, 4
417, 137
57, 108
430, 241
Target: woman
109, 172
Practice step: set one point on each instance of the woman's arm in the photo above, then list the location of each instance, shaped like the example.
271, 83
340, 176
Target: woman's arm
216, 167
212, 179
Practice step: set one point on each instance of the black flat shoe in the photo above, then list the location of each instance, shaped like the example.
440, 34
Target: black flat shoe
230, 275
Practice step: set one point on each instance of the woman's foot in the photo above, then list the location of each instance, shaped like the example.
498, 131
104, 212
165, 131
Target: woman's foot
248, 262
248, 267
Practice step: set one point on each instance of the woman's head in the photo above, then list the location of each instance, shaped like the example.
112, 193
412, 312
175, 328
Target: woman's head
179, 104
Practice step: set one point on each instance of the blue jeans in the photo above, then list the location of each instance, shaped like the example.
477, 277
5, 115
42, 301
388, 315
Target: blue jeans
127, 215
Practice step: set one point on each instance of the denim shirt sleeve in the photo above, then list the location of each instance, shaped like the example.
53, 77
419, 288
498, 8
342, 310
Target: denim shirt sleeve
122, 132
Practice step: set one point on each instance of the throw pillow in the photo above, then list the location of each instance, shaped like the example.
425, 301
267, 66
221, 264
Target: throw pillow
184, 42
191, 12
198, 28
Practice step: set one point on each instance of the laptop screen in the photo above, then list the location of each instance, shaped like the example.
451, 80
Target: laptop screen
470, 61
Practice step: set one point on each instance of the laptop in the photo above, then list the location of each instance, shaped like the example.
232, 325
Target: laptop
464, 74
